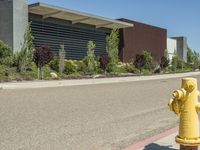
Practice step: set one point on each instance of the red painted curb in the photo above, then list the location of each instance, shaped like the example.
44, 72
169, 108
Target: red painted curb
152, 139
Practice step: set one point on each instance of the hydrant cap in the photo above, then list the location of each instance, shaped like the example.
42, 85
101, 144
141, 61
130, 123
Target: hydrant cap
189, 84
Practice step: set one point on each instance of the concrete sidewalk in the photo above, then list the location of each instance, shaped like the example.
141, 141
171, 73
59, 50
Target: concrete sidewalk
60, 83
166, 143
162, 141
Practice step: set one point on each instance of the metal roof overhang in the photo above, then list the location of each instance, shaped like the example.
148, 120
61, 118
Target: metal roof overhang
47, 11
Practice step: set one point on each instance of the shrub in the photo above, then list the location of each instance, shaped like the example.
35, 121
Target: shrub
70, 67
148, 59
8, 61
81, 67
5, 54
196, 60
5, 50
130, 68
164, 62
42, 56
140, 61
54, 64
104, 61
24, 57
113, 49
174, 63
190, 56
90, 59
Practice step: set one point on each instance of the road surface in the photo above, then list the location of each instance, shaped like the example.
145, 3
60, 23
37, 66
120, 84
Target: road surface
88, 117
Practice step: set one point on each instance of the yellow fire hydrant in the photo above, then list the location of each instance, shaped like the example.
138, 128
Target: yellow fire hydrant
185, 104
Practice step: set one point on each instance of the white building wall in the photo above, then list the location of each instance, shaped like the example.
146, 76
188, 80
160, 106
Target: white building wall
171, 47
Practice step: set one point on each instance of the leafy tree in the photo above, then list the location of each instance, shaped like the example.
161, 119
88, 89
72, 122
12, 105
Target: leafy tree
90, 59
24, 58
104, 61
113, 48
140, 62
148, 59
42, 56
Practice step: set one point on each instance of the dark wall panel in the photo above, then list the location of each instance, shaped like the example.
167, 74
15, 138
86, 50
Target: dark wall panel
74, 38
142, 37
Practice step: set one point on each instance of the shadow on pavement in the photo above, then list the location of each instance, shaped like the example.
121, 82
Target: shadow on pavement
154, 146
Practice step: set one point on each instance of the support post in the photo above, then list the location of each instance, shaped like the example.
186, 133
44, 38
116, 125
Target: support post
188, 147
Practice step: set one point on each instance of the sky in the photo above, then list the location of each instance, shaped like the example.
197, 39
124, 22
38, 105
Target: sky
179, 17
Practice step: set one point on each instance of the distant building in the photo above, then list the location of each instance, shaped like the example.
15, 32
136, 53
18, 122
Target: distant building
134, 40
178, 45
171, 48
52, 25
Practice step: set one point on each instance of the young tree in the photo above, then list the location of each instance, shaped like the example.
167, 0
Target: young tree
113, 48
90, 59
42, 56
24, 57
62, 58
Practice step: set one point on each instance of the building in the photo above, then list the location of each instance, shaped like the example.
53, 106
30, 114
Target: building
171, 48
53, 26
13, 22
134, 40
177, 45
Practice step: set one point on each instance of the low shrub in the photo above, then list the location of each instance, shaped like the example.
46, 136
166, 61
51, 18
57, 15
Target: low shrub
5, 54
70, 67
54, 64
8, 61
126, 68
130, 68
5, 50
81, 67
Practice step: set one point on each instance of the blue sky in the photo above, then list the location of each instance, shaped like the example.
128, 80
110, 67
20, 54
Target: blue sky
179, 17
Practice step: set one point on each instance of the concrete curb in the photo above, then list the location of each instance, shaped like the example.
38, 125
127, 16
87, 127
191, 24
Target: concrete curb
152, 139
60, 83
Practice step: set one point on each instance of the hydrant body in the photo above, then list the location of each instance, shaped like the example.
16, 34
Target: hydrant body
185, 104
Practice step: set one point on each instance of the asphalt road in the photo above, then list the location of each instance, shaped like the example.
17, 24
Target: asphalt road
93, 117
